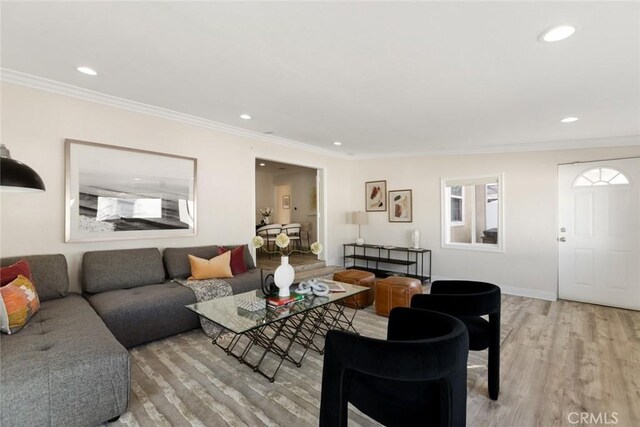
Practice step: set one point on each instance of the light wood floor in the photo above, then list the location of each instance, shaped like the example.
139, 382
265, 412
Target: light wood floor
558, 358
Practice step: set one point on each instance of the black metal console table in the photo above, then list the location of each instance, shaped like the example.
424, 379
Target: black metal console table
369, 258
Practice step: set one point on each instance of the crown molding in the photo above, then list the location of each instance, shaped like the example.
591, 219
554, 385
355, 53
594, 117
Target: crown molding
28, 80
574, 144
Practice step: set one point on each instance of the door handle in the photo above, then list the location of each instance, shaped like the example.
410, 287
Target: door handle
562, 239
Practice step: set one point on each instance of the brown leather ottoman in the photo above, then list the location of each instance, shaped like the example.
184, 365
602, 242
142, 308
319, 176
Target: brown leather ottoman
361, 278
395, 291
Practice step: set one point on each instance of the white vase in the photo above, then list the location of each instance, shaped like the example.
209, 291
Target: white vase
415, 239
265, 219
284, 276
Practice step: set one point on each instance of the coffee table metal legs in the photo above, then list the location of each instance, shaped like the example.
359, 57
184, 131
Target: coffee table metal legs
278, 338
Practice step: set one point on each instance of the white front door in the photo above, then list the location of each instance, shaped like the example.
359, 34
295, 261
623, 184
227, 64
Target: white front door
599, 232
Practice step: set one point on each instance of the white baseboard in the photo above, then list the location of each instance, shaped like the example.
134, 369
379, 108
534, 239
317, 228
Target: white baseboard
530, 293
512, 290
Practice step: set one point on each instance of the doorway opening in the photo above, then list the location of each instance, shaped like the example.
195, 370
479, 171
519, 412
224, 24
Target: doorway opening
290, 193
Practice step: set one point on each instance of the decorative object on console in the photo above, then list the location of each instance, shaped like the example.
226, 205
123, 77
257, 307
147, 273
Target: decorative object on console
375, 196
15, 176
415, 239
359, 218
124, 193
400, 206
266, 214
284, 274
18, 302
218, 267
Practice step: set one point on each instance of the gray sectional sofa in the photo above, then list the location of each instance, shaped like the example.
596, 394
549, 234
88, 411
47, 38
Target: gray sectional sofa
68, 366
64, 368
139, 301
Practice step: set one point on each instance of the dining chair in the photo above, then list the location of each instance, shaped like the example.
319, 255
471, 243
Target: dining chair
269, 233
293, 231
305, 233
416, 377
468, 301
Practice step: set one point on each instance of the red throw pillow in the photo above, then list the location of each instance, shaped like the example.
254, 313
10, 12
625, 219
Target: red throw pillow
237, 259
10, 273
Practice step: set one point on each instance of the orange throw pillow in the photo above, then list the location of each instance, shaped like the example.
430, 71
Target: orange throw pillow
18, 302
215, 268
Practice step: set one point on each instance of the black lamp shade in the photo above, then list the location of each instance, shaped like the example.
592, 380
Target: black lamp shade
16, 176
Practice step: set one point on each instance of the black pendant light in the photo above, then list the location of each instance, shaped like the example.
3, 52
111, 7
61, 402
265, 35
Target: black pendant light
16, 176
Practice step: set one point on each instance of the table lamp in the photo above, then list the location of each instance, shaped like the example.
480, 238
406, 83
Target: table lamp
359, 218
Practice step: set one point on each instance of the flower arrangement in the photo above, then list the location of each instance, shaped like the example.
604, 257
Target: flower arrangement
282, 241
265, 212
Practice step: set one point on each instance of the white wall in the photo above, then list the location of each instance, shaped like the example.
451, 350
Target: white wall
35, 124
264, 193
529, 264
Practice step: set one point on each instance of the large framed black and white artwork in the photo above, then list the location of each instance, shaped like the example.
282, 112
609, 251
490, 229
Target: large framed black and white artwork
123, 193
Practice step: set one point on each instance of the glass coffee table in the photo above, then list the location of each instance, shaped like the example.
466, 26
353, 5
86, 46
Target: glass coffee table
251, 336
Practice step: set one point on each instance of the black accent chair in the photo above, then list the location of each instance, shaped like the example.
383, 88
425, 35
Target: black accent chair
468, 300
417, 377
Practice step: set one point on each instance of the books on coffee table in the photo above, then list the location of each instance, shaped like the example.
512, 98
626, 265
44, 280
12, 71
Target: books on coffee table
280, 301
333, 285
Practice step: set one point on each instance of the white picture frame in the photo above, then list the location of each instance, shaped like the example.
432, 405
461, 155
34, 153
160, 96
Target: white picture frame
115, 193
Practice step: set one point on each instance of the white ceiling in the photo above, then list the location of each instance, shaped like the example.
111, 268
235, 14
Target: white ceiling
277, 168
385, 78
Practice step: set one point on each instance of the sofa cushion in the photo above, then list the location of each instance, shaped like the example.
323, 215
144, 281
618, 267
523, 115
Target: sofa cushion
49, 273
176, 260
218, 267
63, 368
10, 273
121, 269
237, 258
245, 282
18, 302
146, 313
177, 263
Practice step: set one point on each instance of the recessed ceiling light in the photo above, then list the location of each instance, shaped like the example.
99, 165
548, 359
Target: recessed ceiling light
569, 120
245, 116
337, 143
261, 164
558, 33
88, 71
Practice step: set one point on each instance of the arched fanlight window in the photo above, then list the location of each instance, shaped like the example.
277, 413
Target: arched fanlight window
600, 176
